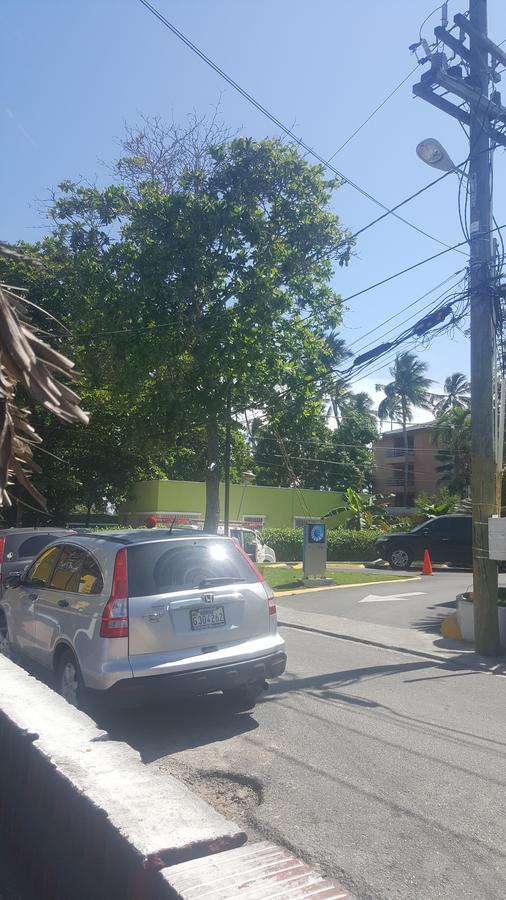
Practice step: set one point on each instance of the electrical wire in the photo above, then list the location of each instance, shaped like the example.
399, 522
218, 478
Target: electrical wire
288, 131
405, 308
373, 113
422, 262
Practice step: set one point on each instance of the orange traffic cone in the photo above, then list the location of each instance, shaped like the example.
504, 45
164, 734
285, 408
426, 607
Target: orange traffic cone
427, 565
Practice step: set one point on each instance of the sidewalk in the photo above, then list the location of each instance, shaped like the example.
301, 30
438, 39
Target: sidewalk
389, 637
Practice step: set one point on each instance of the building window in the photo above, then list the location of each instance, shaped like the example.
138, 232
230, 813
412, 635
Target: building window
300, 521
255, 522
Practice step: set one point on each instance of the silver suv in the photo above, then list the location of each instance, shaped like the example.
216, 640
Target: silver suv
139, 614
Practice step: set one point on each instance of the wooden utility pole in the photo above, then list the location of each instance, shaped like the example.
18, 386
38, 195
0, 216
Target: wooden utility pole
484, 469
483, 110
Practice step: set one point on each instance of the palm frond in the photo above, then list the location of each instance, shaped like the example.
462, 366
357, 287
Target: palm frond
26, 361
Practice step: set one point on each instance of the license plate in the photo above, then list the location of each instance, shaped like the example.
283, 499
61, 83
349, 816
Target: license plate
205, 617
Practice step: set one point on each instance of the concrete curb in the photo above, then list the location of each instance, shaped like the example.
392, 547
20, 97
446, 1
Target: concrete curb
401, 640
340, 587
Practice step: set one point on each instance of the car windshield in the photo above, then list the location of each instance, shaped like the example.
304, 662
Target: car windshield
425, 524
168, 566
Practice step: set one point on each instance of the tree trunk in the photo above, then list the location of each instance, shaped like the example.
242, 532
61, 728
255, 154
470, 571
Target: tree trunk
88, 514
213, 476
406, 459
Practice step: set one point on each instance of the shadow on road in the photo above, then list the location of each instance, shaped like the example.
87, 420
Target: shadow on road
162, 729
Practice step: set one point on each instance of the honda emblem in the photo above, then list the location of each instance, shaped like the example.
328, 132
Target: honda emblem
208, 598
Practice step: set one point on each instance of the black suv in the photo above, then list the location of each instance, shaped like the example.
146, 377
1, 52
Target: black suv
18, 546
447, 538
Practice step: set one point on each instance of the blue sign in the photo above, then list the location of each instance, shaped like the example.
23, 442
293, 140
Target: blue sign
316, 534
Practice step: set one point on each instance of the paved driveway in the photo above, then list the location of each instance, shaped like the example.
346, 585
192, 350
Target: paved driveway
385, 770
420, 603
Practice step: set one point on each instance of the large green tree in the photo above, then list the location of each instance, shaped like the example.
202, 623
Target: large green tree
408, 389
218, 281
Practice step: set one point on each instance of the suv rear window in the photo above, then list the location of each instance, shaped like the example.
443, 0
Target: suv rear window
169, 566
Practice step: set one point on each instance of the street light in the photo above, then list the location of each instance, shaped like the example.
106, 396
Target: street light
434, 154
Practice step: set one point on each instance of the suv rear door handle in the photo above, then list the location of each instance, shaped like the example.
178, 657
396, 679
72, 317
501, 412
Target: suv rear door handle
33, 597
63, 603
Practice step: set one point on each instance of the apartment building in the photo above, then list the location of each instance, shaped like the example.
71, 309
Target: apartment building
389, 456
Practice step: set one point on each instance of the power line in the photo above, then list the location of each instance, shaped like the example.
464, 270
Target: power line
373, 113
422, 262
259, 106
404, 309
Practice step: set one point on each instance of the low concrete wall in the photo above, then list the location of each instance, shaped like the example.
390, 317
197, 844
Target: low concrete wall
82, 812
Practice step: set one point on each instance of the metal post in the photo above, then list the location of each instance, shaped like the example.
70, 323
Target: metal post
483, 482
228, 442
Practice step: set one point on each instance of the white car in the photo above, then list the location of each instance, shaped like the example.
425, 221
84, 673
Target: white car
252, 544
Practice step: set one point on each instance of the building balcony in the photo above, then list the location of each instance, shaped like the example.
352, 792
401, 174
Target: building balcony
398, 483
396, 452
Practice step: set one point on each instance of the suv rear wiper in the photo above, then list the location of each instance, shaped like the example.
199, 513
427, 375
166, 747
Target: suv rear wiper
209, 582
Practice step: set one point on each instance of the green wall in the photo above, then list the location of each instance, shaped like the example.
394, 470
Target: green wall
280, 506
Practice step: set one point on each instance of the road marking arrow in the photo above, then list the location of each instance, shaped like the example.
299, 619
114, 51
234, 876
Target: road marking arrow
376, 598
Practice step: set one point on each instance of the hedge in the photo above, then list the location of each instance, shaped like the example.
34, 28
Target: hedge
342, 544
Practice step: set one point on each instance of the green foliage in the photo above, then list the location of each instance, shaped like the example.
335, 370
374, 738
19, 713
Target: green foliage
342, 544
456, 395
452, 434
408, 389
438, 505
299, 447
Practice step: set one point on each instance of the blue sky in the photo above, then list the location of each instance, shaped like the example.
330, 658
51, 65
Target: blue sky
74, 73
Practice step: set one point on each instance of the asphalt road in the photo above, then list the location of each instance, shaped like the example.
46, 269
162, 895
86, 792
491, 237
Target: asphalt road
426, 601
385, 770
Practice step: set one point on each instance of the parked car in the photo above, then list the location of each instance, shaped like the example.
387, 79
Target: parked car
253, 545
447, 538
138, 614
19, 546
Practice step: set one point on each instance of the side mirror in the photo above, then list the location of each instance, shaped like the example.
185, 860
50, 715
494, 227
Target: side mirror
13, 580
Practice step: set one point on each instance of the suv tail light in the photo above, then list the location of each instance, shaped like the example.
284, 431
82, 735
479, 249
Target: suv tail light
270, 597
2, 550
115, 615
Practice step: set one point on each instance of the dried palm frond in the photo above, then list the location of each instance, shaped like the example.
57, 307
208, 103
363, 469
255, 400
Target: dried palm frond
27, 361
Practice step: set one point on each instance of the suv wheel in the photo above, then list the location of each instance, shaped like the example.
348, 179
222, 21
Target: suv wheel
69, 681
5, 644
400, 558
243, 699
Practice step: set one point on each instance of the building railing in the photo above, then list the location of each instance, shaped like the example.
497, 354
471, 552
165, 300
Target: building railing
394, 452
398, 482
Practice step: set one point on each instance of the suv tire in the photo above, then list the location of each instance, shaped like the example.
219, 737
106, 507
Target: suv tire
5, 644
400, 558
69, 680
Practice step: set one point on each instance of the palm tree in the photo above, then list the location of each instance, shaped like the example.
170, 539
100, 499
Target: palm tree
334, 355
452, 433
456, 394
408, 389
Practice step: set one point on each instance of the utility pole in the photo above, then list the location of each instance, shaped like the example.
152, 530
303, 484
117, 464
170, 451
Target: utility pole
484, 469
483, 110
